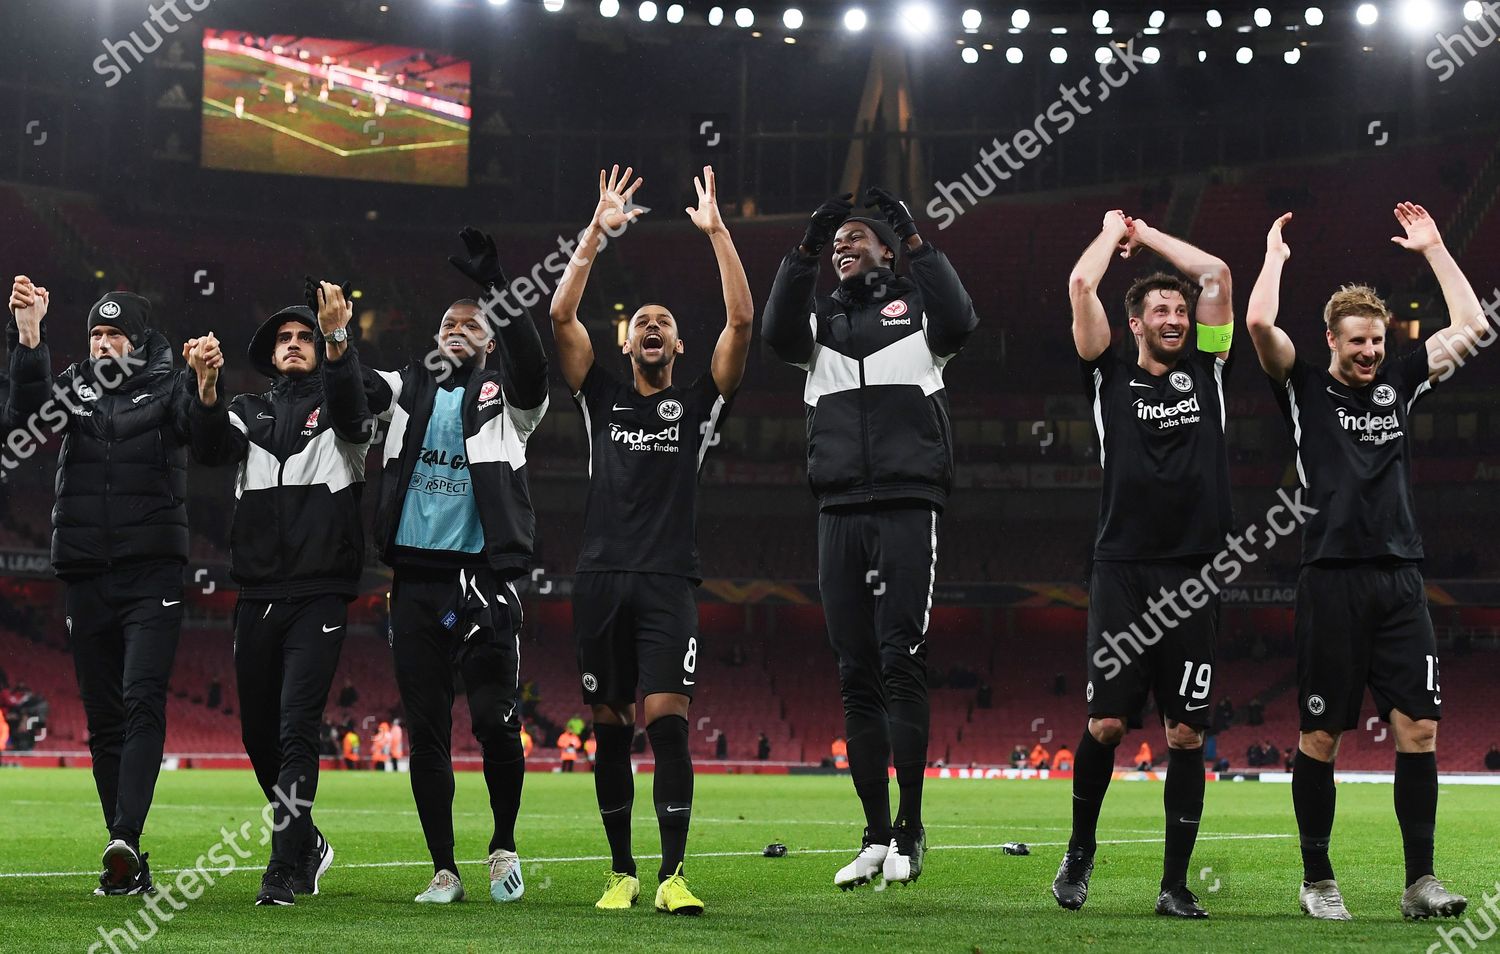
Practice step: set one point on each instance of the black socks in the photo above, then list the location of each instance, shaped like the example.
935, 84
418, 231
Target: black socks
1313, 799
672, 789
1093, 765
1183, 800
614, 786
1416, 809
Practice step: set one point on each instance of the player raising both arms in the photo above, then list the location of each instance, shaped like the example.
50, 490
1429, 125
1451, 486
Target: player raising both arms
1361, 615
880, 460
634, 612
1163, 514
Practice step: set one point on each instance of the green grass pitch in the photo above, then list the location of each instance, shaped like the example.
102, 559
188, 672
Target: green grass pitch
971, 897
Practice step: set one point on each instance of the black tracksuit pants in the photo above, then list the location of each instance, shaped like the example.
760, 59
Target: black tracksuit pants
123, 627
285, 654
876, 567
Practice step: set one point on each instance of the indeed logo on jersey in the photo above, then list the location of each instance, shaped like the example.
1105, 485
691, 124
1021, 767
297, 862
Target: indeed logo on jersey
1370, 426
643, 440
1185, 411
489, 395
895, 314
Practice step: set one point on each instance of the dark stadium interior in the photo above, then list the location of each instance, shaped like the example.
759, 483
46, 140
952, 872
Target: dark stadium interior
115, 198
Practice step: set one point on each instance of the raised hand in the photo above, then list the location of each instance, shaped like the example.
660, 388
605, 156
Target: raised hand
1275, 244
616, 208
826, 220
204, 356
706, 215
896, 214
334, 308
1114, 222
1134, 238
1421, 230
483, 262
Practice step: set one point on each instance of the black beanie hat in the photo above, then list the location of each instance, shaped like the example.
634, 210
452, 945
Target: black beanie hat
883, 231
262, 348
129, 312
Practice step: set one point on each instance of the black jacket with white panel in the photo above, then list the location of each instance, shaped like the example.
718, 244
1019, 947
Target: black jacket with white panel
877, 412
503, 404
300, 449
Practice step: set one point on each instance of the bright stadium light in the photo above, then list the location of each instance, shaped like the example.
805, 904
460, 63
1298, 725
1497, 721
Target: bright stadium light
1215, 18
1243, 55
971, 20
792, 19
969, 55
1202, 56
552, 6
498, 3
1151, 55
1059, 55
917, 18
1366, 14
1473, 10
646, 11
855, 19
715, 16
1313, 16
609, 8
1418, 15
744, 18
1157, 19
1020, 20
1101, 21
1103, 55
1014, 55
674, 13
1262, 17
1292, 56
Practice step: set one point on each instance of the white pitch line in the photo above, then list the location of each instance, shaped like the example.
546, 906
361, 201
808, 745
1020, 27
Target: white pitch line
691, 857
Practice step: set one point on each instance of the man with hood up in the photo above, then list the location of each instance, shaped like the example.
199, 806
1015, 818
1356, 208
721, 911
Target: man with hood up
297, 548
119, 540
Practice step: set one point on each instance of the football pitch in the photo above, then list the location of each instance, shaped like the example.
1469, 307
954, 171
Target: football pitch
971, 896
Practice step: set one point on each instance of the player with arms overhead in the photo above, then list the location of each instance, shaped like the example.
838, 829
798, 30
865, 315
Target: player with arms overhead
634, 613
1163, 514
1361, 604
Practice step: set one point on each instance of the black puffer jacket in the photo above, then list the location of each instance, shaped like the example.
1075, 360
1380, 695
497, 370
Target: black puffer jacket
122, 473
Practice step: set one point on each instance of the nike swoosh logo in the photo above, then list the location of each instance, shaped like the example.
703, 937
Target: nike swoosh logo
329, 629
1188, 821
1341, 397
141, 397
1196, 708
684, 808
913, 650
173, 603
1148, 387
263, 416
619, 407
689, 682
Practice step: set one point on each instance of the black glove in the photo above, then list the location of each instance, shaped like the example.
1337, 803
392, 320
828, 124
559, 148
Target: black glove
825, 221
483, 264
311, 291
897, 215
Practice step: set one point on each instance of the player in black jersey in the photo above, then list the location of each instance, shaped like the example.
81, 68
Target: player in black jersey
634, 612
1361, 603
1164, 512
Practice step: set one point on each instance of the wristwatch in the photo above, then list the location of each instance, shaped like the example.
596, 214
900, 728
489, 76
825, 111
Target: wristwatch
338, 335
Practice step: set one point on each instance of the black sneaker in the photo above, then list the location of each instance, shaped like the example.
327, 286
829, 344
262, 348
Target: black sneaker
275, 889
1178, 902
1071, 886
125, 870
316, 858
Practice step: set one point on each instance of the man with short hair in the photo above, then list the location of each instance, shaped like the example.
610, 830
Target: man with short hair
1361, 616
880, 461
119, 541
1164, 513
296, 548
455, 523
635, 616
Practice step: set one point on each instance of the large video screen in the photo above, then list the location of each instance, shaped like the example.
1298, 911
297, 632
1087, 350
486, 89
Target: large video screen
349, 109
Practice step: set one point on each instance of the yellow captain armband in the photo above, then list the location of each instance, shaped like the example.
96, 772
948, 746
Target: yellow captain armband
1215, 338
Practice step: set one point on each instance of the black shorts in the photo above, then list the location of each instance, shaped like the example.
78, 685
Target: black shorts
635, 629
1141, 641
1359, 625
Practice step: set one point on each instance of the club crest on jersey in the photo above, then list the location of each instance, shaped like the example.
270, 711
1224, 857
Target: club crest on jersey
895, 309
312, 419
1181, 380
110, 309
1088, 692
669, 410
590, 683
488, 390
87, 393
1316, 705
1384, 395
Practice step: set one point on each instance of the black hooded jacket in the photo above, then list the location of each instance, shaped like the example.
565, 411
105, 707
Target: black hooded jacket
122, 472
877, 411
301, 450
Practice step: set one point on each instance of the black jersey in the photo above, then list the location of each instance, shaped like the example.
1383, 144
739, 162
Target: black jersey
644, 457
1162, 447
1354, 459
